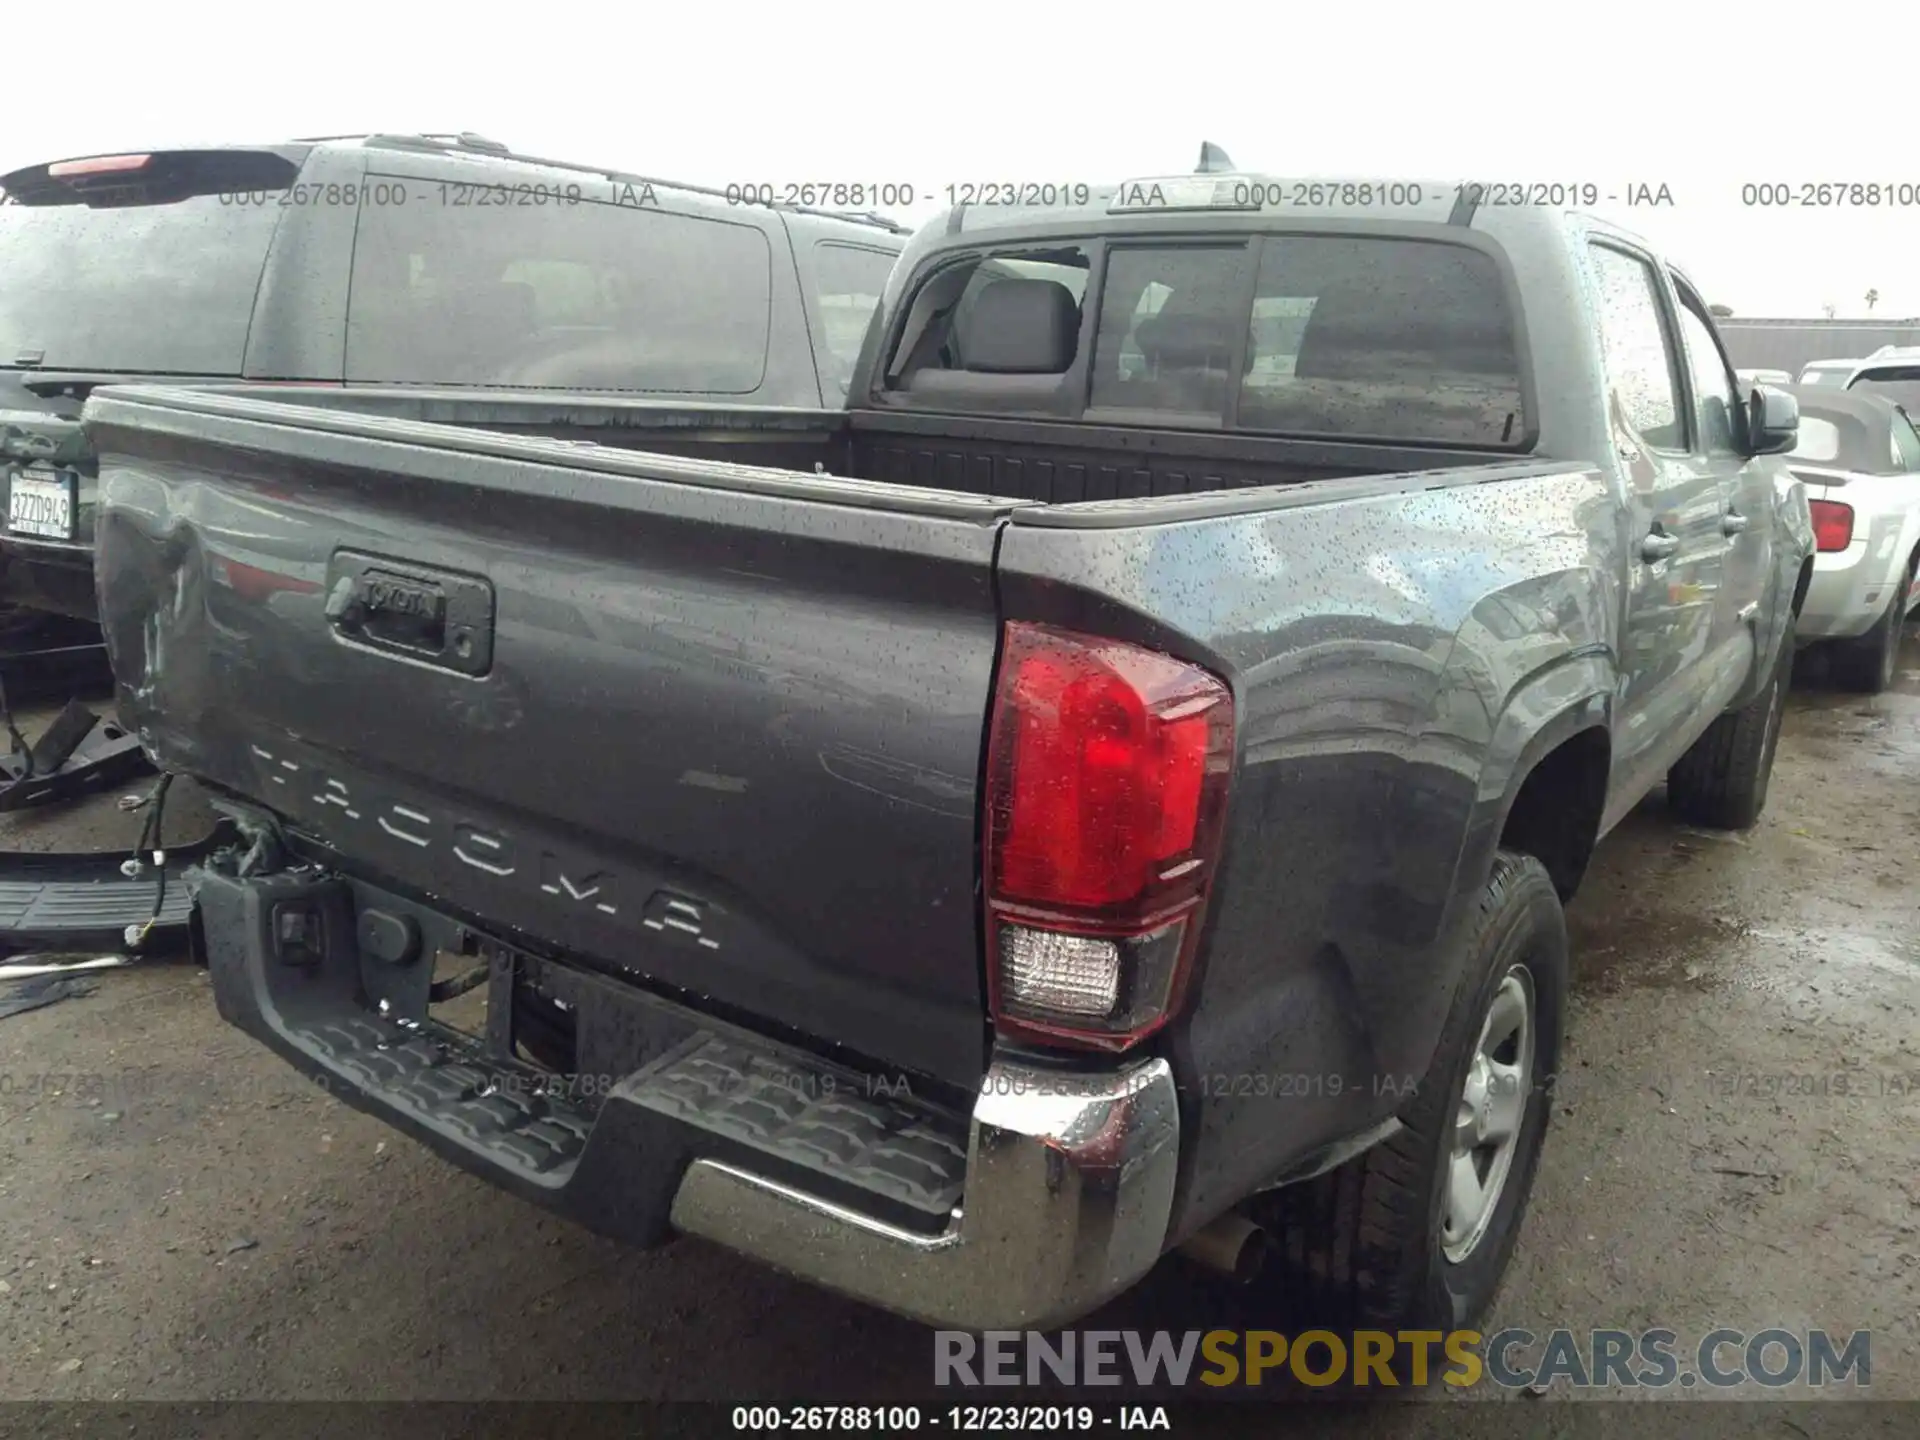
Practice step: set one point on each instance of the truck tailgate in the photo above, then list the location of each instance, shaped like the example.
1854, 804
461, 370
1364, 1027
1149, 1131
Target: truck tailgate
712, 727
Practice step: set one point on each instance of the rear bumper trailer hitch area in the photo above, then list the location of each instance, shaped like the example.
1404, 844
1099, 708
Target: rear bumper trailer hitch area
1047, 1194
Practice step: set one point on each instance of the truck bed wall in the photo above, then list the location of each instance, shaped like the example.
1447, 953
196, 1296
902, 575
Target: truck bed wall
1033, 460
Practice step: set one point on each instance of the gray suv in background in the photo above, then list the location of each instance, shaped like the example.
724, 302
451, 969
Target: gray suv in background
392, 260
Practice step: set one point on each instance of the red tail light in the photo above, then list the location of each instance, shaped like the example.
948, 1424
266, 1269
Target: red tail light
99, 165
250, 582
1832, 524
1107, 769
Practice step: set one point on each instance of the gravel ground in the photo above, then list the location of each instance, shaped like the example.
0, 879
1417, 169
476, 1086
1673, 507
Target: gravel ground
186, 1220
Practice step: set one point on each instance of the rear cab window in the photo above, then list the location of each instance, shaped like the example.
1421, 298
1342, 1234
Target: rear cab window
138, 264
1387, 339
580, 292
997, 332
1171, 321
1339, 336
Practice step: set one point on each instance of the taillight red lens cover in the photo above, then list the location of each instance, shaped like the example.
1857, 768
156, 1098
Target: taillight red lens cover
1107, 769
1832, 524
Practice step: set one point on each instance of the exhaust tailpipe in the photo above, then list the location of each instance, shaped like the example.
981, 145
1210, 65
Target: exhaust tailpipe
1232, 1246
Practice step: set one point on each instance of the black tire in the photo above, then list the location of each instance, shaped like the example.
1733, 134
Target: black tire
1362, 1245
1722, 781
1867, 665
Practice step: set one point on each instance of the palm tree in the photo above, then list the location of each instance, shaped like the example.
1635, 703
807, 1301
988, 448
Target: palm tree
1873, 297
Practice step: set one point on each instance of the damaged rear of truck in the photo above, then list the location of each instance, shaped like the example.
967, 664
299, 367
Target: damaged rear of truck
960, 849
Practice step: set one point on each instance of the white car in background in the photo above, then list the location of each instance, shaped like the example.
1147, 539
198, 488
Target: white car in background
1750, 378
1859, 455
1892, 371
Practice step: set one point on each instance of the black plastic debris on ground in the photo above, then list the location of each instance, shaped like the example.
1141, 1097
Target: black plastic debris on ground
19, 996
87, 900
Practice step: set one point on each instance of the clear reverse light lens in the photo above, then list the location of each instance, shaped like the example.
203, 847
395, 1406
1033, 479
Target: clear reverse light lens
1063, 975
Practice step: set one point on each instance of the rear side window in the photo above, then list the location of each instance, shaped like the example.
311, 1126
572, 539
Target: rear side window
848, 281
1902, 392
1819, 441
591, 296
1639, 359
1906, 444
1381, 339
155, 275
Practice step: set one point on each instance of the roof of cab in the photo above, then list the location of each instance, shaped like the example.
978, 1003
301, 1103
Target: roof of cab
1332, 201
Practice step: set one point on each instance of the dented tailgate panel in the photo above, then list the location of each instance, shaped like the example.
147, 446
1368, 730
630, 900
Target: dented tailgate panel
721, 740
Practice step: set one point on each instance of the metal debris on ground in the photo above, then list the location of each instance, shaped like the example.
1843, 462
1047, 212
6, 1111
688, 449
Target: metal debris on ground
78, 752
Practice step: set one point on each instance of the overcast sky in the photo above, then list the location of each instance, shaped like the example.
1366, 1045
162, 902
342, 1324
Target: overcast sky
1701, 101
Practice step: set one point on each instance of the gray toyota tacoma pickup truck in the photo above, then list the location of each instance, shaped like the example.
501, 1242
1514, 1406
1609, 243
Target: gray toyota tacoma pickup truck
1110, 790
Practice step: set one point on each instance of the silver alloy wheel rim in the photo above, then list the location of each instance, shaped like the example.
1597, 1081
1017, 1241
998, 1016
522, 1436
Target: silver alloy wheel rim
1486, 1127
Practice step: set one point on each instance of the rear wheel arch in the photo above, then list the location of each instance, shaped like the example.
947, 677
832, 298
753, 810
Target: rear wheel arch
1547, 772
1555, 809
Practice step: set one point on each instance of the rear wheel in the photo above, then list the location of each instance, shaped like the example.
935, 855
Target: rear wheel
1868, 663
1417, 1232
1722, 781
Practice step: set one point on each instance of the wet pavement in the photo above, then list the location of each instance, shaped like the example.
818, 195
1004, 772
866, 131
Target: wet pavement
1734, 1144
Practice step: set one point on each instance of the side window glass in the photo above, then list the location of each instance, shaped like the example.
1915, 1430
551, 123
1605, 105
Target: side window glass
1906, 443
1714, 405
588, 296
1634, 340
848, 281
1171, 319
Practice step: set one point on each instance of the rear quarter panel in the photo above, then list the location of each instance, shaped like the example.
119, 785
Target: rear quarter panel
1396, 658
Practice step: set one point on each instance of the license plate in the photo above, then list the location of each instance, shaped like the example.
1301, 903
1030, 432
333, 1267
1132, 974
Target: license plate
41, 504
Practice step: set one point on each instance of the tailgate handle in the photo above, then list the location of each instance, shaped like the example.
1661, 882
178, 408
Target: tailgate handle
436, 616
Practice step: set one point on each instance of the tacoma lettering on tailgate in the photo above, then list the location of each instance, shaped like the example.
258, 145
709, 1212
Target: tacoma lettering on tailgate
349, 814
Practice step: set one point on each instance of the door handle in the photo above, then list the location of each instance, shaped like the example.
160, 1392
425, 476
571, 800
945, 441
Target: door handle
1733, 522
1658, 546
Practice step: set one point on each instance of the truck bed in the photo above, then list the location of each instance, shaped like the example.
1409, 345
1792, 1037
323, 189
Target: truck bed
1034, 461
702, 717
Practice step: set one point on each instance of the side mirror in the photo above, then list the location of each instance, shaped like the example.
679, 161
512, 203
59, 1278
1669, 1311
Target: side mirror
1773, 421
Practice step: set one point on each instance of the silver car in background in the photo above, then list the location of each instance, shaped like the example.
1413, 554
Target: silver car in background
1859, 455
